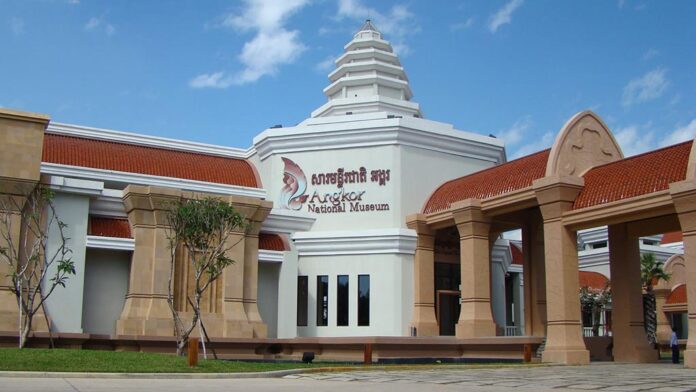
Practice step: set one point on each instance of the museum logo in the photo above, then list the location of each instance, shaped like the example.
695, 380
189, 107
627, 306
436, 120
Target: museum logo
346, 198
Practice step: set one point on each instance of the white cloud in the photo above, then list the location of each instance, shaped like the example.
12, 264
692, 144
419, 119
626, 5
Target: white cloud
272, 46
17, 25
504, 15
650, 53
462, 25
325, 64
681, 134
397, 24
535, 146
516, 132
100, 25
633, 140
648, 87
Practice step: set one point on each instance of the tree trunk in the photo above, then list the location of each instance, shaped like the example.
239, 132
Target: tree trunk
650, 317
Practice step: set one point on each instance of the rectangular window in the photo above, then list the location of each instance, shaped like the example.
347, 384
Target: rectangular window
302, 295
342, 305
363, 300
322, 300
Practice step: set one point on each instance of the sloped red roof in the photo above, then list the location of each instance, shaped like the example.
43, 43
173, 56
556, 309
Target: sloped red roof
634, 176
487, 183
678, 295
107, 155
269, 241
672, 237
109, 227
516, 254
593, 280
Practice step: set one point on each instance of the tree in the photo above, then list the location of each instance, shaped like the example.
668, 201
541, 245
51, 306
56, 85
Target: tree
201, 232
35, 270
651, 271
594, 301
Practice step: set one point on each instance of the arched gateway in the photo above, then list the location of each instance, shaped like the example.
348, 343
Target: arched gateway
583, 181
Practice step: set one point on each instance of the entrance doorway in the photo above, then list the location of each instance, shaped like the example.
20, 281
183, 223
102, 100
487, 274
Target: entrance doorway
447, 311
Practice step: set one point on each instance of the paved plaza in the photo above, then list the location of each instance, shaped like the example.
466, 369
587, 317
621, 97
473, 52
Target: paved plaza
598, 376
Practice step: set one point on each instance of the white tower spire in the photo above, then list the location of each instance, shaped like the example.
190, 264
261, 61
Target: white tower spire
368, 78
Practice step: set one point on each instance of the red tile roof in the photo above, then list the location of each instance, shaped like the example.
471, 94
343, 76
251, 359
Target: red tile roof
107, 155
678, 295
634, 176
672, 237
516, 254
487, 183
109, 227
593, 280
269, 241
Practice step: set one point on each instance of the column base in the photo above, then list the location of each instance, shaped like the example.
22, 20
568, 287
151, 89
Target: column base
475, 329
690, 358
635, 350
426, 329
145, 327
566, 356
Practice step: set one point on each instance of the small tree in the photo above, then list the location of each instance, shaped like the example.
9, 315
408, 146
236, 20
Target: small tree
202, 229
594, 302
651, 272
35, 271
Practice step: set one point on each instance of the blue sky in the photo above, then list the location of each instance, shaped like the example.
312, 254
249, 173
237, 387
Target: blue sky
222, 71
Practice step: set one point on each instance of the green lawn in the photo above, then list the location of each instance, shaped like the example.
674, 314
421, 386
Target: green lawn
61, 360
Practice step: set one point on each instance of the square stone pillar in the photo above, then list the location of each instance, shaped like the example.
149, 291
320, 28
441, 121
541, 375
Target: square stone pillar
424, 320
564, 342
684, 198
663, 331
20, 162
534, 277
146, 311
475, 317
235, 319
251, 269
628, 328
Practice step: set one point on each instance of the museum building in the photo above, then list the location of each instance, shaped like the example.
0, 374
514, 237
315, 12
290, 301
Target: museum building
366, 220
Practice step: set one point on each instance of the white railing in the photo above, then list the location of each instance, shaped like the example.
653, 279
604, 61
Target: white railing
512, 330
587, 331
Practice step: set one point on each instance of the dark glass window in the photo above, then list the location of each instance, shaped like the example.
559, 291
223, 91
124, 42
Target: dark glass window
363, 300
342, 304
322, 300
302, 295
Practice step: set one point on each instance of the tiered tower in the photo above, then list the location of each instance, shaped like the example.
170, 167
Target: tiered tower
368, 78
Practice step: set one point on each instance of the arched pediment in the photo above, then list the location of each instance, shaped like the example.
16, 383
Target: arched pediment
677, 269
584, 142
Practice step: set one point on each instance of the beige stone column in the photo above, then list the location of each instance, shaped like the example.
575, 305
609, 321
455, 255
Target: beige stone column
22, 136
664, 326
423, 278
684, 199
534, 277
146, 311
236, 323
564, 342
628, 328
251, 270
475, 317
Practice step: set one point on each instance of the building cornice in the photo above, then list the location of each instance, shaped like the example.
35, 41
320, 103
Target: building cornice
271, 256
113, 243
146, 140
287, 221
358, 242
143, 179
371, 131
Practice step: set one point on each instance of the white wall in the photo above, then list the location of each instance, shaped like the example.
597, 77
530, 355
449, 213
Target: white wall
391, 281
267, 296
287, 298
106, 285
64, 306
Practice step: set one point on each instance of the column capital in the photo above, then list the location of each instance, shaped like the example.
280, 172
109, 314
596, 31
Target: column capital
467, 211
419, 223
556, 194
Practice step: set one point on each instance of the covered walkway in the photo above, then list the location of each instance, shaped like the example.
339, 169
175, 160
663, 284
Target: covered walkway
582, 182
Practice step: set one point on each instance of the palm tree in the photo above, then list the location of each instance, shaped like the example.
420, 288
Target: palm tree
651, 271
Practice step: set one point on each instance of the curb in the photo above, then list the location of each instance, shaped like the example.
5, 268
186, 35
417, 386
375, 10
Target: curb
240, 375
